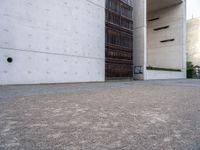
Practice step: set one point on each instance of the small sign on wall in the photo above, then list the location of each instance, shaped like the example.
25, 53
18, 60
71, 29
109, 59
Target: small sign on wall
138, 70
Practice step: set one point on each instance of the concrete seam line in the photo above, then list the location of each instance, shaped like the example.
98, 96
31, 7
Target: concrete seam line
32, 51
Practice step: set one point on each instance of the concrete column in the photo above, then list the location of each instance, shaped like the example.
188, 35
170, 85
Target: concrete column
139, 38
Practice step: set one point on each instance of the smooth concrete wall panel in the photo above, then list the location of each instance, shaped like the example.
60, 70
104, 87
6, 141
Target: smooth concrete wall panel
169, 54
139, 13
155, 75
163, 59
63, 34
98, 2
139, 46
161, 4
193, 41
59, 31
139, 37
171, 14
46, 68
184, 30
173, 32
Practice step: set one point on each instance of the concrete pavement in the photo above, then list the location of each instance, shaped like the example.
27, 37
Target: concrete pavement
137, 115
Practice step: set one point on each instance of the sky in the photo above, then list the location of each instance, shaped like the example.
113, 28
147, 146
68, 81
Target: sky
193, 9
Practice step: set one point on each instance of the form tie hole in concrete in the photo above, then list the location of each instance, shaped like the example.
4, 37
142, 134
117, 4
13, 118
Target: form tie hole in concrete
9, 60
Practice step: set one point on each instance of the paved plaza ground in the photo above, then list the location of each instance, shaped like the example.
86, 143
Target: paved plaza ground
135, 115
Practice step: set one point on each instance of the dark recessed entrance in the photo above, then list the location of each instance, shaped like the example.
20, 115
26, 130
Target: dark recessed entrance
119, 39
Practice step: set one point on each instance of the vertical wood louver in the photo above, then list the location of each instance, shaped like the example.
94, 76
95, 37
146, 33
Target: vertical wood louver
119, 39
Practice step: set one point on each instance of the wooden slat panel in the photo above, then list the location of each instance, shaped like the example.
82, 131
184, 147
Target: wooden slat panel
118, 70
113, 53
119, 40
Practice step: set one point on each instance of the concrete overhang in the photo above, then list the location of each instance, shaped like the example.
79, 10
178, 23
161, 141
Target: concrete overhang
153, 5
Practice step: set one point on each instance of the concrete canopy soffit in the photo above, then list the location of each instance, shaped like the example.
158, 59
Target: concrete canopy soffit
154, 5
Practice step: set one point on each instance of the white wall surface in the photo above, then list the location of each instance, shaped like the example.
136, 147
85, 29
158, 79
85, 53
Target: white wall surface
161, 4
193, 41
153, 75
169, 54
147, 47
139, 36
146, 42
52, 41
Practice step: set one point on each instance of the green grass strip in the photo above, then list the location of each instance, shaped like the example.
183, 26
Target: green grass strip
163, 69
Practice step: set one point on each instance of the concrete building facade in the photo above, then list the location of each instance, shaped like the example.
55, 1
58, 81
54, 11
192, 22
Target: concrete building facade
50, 41
193, 41
159, 39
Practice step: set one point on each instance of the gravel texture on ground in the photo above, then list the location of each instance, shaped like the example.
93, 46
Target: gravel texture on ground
135, 115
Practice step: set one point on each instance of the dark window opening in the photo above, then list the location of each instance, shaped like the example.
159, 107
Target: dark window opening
154, 19
168, 40
161, 28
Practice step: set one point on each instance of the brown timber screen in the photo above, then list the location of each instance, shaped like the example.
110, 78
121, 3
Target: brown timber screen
119, 39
